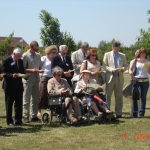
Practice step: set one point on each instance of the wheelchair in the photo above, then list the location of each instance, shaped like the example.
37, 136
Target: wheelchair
57, 109
87, 110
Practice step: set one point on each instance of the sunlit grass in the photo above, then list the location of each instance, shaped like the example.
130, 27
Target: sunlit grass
127, 134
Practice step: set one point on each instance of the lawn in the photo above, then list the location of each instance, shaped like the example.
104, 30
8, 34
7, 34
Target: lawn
127, 134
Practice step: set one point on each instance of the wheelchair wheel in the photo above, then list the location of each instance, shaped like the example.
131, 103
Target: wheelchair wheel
88, 118
109, 118
46, 118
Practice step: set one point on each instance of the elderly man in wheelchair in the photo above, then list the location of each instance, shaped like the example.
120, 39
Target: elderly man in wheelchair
91, 94
58, 85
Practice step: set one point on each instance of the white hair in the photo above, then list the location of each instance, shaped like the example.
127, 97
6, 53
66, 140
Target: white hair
18, 50
56, 70
61, 47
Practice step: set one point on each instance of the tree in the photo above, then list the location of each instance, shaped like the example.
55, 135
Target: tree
69, 41
104, 47
144, 37
78, 44
50, 33
26, 48
17, 45
5, 45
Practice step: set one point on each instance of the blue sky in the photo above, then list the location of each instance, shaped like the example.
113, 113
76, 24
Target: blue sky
86, 20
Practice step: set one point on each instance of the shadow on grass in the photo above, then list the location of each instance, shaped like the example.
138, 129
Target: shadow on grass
2, 116
127, 115
37, 127
10, 131
147, 108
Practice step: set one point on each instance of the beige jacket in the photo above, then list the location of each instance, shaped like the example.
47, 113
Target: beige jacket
108, 65
77, 59
54, 85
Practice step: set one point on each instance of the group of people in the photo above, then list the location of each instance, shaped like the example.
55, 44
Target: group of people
53, 73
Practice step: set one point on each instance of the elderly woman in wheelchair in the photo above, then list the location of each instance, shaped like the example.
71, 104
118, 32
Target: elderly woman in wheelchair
60, 86
81, 87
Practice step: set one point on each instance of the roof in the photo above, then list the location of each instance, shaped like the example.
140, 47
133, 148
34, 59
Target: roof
15, 41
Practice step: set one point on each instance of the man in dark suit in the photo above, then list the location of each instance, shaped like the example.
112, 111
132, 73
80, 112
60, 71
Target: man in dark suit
13, 86
1, 78
64, 62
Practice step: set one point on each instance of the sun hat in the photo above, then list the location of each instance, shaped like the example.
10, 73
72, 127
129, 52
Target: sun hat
86, 71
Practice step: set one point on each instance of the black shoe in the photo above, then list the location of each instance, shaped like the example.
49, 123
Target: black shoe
10, 124
26, 120
19, 123
132, 116
118, 116
35, 119
141, 116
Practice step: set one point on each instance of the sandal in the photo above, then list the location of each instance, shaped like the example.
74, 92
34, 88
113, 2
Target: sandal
99, 115
73, 120
83, 118
108, 112
39, 114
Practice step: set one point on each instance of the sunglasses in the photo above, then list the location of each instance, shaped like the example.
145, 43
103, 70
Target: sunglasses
53, 52
94, 55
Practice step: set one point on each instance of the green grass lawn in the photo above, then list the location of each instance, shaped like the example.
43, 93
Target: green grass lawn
127, 134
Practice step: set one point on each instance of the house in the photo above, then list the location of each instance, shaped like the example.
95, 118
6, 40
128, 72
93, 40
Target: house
15, 41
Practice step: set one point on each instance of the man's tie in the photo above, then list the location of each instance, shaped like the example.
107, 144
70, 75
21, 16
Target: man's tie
84, 55
64, 61
16, 63
116, 63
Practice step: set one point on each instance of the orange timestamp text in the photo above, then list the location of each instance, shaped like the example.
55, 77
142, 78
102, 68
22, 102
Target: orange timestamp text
136, 136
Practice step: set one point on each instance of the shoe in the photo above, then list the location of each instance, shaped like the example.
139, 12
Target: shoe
36, 119
118, 116
82, 118
141, 116
39, 114
10, 124
99, 116
109, 112
26, 120
19, 123
73, 120
132, 116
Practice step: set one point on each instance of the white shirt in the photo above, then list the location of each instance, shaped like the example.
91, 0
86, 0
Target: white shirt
140, 71
46, 67
62, 58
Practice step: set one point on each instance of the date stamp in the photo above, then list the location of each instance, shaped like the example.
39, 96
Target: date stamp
136, 136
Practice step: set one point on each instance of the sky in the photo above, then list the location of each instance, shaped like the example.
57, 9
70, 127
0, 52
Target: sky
87, 20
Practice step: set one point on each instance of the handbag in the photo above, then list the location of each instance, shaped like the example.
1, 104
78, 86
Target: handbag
102, 78
128, 90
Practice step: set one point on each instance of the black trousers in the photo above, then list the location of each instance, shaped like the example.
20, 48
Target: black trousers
16, 99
